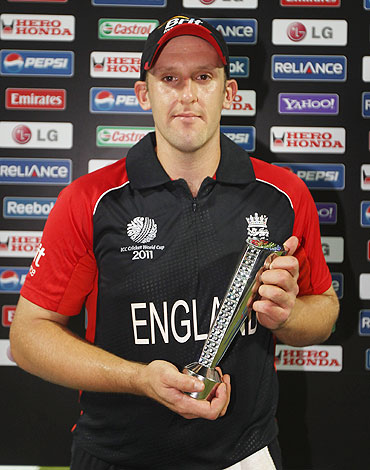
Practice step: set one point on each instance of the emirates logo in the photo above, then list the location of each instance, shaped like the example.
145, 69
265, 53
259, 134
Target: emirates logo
142, 230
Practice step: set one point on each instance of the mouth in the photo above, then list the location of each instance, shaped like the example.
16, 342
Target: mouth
187, 117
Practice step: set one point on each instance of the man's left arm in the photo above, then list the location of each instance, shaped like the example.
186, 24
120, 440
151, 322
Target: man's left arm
296, 321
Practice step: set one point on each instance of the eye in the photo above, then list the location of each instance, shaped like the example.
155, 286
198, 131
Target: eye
169, 78
204, 77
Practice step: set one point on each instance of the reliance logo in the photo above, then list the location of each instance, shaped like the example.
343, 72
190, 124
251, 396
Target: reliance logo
309, 68
236, 31
35, 171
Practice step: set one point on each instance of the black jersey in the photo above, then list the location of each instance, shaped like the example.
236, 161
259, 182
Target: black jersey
152, 264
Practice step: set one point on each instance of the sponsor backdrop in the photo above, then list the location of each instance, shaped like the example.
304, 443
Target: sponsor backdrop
68, 107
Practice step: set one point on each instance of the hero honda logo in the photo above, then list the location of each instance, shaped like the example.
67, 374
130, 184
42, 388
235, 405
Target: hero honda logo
19, 244
308, 103
307, 140
309, 68
235, 30
365, 177
318, 175
37, 63
35, 171
303, 32
220, 3
37, 27
310, 358
115, 64
244, 103
115, 100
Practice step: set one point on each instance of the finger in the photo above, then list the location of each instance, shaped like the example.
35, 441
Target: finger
186, 383
278, 284
287, 263
291, 244
226, 381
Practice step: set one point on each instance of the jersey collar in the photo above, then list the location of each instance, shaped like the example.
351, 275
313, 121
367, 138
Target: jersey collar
145, 171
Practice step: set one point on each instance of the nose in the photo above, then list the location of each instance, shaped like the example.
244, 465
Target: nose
188, 91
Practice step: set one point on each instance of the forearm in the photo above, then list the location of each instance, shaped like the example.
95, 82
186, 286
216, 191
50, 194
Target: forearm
310, 322
42, 344
52, 352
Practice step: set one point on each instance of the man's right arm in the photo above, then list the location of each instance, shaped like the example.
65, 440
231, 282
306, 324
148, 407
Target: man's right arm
42, 344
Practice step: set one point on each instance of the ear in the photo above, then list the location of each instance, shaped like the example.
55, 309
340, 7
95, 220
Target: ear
141, 92
231, 89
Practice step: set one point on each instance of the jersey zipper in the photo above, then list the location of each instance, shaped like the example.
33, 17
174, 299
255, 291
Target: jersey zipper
194, 204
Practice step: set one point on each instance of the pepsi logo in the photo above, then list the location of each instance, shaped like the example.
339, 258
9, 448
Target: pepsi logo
207, 2
9, 280
104, 100
13, 62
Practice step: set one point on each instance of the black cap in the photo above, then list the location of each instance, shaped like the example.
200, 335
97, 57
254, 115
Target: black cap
180, 26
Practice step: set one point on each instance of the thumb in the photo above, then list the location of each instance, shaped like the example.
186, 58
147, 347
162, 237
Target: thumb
187, 383
291, 245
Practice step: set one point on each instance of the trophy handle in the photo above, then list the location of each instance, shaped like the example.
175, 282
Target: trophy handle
209, 376
235, 307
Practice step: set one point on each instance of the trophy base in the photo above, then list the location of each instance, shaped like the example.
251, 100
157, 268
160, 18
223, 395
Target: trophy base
208, 375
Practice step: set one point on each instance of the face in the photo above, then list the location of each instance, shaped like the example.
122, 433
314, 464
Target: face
186, 91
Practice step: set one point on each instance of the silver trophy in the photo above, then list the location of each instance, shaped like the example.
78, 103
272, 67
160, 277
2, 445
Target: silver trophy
235, 307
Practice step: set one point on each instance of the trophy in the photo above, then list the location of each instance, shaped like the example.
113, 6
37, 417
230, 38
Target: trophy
235, 307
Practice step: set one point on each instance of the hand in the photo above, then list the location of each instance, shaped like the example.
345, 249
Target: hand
163, 382
279, 289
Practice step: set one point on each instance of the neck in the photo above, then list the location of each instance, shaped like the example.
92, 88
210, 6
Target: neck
194, 166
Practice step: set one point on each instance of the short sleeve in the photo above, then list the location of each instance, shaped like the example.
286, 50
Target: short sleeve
314, 277
63, 272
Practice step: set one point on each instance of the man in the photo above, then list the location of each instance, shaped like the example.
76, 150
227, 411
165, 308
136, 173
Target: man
149, 244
